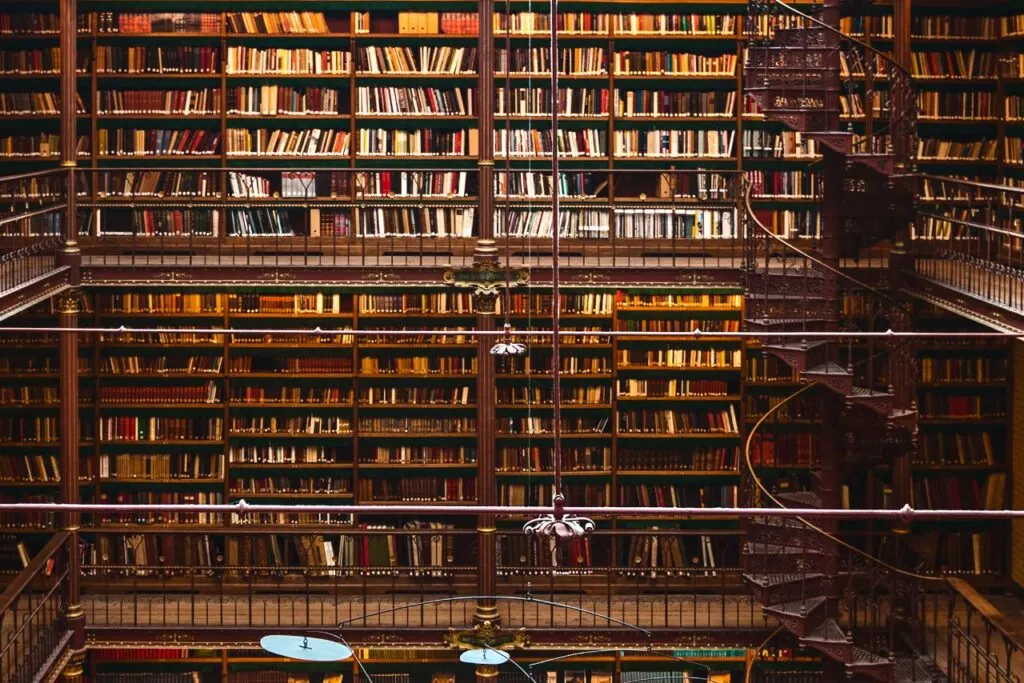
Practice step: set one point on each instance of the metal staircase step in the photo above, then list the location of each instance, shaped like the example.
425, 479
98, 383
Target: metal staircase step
871, 665
806, 499
798, 608
779, 322
799, 616
772, 580
832, 375
909, 670
830, 632
778, 587
754, 548
828, 368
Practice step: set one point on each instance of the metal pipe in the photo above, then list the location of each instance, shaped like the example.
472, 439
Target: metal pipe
691, 334
907, 514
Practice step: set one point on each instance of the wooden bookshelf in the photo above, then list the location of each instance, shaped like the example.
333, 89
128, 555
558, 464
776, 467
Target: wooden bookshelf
701, 31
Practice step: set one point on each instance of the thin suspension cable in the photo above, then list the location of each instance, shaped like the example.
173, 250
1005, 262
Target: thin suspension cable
507, 98
556, 299
686, 334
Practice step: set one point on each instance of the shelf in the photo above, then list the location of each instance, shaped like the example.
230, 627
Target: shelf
289, 435
289, 465
415, 466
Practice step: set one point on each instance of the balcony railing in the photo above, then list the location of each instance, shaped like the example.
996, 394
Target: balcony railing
32, 211
970, 237
250, 582
33, 634
299, 218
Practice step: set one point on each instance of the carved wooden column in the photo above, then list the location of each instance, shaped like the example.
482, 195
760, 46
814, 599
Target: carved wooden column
486, 674
485, 301
74, 670
68, 307
901, 92
71, 254
485, 117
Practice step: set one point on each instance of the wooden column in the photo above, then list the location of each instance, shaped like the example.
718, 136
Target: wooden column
485, 117
71, 255
74, 670
68, 307
485, 302
899, 98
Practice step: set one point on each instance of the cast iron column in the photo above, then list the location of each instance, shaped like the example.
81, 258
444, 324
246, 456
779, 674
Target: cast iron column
485, 304
900, 97
68, 307
71, 255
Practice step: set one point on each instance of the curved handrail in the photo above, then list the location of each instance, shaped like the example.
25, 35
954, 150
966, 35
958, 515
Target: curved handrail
810, 525
910, 113
748, 191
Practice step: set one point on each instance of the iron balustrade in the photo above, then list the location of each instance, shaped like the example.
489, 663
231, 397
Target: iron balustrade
605, 203
969, 237
33, 634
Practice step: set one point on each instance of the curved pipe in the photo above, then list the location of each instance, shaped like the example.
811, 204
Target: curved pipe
513, 598
813, 259
838, 541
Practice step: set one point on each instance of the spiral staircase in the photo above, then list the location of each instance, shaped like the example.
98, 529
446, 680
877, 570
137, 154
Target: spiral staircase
793, 567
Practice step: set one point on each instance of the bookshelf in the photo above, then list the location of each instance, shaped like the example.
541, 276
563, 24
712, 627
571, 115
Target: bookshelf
336, 89
962, 459
182, 417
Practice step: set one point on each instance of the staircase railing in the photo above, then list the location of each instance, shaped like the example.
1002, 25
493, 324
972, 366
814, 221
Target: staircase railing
33, 633
969, 236
899, 136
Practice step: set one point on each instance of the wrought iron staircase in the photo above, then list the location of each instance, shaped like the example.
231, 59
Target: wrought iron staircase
793, 73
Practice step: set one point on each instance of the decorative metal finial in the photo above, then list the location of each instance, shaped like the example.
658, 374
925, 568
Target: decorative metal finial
506, 347
559, 524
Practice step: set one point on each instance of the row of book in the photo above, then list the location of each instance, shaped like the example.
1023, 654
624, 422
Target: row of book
539, 459
285, 455
416, 101
418, 365
537, 424
160, 428
957, 406
424, 396
961, 64
419, 455
316, 364
570, 365
28, 103
164, 466
595, 494
272, 100
585, 394
293, 485
289, 425
678, 421
710, 458
679, 358
188, 102
160, 498
956, 369
418, 425
957, 448
208, 392
959, 493
419, 489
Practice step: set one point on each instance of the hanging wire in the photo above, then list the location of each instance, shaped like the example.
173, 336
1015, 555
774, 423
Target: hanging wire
556, 298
